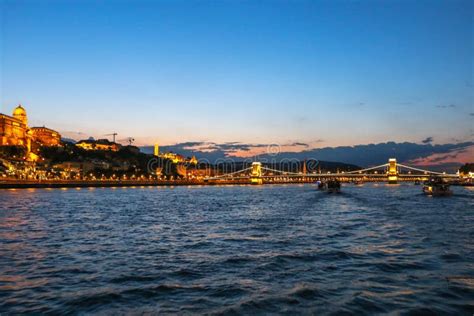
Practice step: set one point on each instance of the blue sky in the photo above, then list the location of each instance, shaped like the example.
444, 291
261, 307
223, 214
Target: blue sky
325, 73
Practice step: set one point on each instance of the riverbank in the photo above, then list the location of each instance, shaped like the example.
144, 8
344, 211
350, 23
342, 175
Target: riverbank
28, 184
32, 184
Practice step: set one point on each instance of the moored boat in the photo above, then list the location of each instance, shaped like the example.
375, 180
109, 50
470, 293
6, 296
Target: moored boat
321, 185
437, 187
334, 186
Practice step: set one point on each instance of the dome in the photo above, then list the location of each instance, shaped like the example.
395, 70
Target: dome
19, 111
20, 114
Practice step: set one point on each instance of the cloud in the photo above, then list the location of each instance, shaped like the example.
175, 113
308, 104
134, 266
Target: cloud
441, 158
427, 140
301, 119
191, 144
373, 154
298, 144
471, 114
446, 106
211, 150
448, 160
73, 135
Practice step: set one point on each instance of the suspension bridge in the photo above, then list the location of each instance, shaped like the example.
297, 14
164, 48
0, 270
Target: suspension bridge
391, 172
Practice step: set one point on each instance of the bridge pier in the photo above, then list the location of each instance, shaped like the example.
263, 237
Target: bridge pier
256, 174
392, 171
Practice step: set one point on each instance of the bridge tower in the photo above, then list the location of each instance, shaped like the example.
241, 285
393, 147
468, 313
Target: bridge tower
256, 174
392, 171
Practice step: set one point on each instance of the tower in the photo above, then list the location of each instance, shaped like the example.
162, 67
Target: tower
256, 173
392, 171
156, 151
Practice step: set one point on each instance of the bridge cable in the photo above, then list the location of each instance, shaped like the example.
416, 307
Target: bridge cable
229, 174
367, 169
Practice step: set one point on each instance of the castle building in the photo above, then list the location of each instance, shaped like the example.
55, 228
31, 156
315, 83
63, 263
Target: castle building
14, 131
46, 136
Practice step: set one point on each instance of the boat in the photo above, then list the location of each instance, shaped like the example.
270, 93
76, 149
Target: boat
334, 186
437, 187
321, 185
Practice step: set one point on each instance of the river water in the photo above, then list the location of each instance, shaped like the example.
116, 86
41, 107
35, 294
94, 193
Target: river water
374, 248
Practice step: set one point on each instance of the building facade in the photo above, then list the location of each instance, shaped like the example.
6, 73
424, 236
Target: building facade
13, 131
46, 136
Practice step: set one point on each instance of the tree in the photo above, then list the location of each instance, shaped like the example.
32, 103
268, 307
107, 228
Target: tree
468, 167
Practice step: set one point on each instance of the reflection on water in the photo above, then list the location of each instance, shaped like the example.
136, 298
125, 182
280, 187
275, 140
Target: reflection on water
242, 249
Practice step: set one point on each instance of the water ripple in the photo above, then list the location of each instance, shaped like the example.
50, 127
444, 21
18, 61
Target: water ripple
374, 249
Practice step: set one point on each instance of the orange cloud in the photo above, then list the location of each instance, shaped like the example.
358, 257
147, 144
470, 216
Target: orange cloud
456, 156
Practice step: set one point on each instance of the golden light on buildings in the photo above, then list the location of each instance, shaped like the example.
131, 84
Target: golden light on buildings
20, 114
100, 144
392, 171
14, 131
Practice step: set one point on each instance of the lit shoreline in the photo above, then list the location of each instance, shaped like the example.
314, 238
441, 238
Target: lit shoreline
31, 184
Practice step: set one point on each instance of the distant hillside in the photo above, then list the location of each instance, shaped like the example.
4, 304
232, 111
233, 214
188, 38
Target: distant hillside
68, 140
285, 165
361, 155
